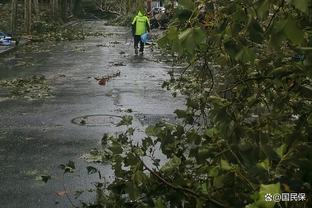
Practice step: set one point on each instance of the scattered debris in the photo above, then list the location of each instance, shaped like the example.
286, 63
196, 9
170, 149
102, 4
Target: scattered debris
115, 42
101, 45
119, 64
83, 122
61, 193
44, 31
35, 87
45, 178
104, 79
97, 120
129, 110
96, 34
93, 156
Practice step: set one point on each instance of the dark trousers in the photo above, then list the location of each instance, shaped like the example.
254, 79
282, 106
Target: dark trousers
137, 40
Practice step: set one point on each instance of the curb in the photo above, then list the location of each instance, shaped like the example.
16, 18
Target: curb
6, 50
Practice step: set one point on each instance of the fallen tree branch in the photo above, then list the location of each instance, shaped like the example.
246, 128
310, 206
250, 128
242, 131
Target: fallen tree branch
180, 188
108, 11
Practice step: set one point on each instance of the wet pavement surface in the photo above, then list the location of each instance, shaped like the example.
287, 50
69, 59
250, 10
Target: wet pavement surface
93, 82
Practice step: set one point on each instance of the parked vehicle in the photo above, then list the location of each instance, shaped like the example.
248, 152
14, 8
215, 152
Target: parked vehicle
5, 39
157, 10
4, 36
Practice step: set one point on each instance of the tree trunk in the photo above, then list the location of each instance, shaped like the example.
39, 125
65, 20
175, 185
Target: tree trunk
140, 5
27, 7
77, 10
13, 16
36, 9
149, 6
63, 9
55, 9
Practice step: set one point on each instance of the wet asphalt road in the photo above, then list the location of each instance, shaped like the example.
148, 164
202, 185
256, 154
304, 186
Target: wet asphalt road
36, 136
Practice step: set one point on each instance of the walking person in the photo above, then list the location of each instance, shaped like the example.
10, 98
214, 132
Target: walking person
140, 26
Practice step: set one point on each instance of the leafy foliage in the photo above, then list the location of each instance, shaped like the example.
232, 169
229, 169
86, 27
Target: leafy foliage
246, 131
44, 31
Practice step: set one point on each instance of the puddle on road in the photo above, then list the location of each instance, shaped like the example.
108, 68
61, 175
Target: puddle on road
97, 120
109, 120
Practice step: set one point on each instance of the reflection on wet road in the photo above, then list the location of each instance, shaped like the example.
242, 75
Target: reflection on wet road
36, 135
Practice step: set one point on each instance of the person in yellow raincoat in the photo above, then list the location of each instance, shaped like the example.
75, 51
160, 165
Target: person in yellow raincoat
140, 25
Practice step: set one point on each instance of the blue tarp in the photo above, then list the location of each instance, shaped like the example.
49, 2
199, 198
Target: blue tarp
144, 37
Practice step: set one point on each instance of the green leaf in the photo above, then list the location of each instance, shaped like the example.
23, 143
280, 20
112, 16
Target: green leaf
131, 160
302, 5
269, 189
94, 156
147, 142
132, 190
232, 47
187, 116
293, 32
187, 4
245, 55
116, 148
218, 101
171, 166
139, 178
263, 7
172, 33
191, 38
69, 167
203, 153
281, 150
225, 165
255, 31
159, 203
125, 121
218, 181
286, 29
213, 172
265, 192
265, 164
199, 204
211, 132
130, 131
170, 39
152, 130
